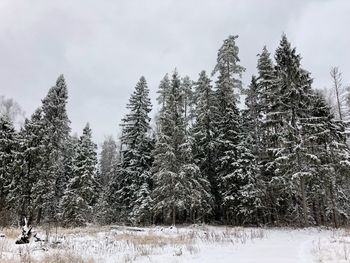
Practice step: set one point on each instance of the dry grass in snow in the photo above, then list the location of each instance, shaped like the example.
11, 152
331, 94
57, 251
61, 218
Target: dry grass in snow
120, 244
183, 244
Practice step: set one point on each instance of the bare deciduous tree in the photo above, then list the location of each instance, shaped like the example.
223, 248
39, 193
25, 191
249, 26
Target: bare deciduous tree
11, 109
338, 96
338, 89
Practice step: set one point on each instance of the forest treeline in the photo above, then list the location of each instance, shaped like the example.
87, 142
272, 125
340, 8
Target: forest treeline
282, 159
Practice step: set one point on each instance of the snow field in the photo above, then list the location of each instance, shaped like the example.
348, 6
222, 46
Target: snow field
183, 244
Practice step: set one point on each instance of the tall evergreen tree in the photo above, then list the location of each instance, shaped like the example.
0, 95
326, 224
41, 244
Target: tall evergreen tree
290, 156
251, 188
56, 132
132, 176
30, 163
267, 137
8, 152
204, 131
82, 190
266, 81
227, 123
180, 191
329, 163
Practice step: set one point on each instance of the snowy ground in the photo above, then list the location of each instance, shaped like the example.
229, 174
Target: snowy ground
182, 244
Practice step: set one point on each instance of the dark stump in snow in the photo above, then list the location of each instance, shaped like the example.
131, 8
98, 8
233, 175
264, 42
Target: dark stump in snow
24, 238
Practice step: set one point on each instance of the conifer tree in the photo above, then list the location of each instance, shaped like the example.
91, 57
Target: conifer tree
266, 81
108, 157
329, 162
187, 98
69, 155
132, 176
251, 188
8, 152
163, 90
30, 163
180, 191
56, 131
268, 135
292, 173
204, 131
82, 189
105, 210
227, 123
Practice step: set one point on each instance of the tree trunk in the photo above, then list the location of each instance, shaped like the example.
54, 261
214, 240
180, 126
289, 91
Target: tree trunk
174, 215
304, 203
335, 214
38, 218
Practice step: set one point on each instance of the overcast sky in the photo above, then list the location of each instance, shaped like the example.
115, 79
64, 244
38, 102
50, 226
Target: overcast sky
103, 47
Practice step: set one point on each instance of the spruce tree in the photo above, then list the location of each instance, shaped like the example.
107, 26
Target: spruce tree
163, 90
204, 131
267, 136
82, 190
227, 123
328, 156
69, 155
56, 132
266, 82
292, 173
132, 178
30, 161
180, 191
251, 188
8, 153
